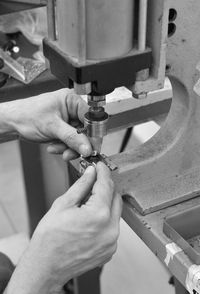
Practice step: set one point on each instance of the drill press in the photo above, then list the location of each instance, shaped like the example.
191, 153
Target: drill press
97, 49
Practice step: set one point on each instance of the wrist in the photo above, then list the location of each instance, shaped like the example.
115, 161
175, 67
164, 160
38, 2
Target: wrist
9, 119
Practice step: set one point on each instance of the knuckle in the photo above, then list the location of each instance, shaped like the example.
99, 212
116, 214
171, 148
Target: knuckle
114, 235
110, 252
106, 259
102, 216
61, 202
57, 203
52, 125
83, 181
111, 184
113, 249
71, 137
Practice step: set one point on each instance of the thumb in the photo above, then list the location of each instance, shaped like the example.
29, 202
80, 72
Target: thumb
78, 142
77, 193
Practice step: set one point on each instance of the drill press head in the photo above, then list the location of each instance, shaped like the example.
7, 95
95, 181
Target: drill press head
94, 53
95, 121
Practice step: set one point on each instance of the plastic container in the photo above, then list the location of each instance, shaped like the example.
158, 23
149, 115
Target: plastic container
184, 229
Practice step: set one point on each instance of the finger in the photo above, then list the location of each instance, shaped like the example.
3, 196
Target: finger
76, 106
116, 210
70, 154
56, 148
76, 124
78, 142
77, 193
103, 190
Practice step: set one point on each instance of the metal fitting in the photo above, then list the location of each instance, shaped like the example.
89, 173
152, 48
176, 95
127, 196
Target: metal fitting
82, 89
96, 101
96, 124
96, 128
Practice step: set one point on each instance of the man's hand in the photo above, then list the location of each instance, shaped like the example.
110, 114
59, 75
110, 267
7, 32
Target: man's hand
51, 118
73, 237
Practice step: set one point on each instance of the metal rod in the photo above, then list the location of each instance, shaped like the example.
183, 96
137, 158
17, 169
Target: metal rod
82, 50
142, 28
51, 22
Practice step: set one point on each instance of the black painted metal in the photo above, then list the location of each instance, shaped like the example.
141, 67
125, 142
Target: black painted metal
34, 182
126, 139
9, 6
179, 288
105, 76
88, 283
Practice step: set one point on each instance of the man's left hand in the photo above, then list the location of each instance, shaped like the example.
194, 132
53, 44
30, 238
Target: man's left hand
53, 118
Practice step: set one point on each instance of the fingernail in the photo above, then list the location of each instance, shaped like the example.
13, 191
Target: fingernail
89, 169
84, 150
50, 149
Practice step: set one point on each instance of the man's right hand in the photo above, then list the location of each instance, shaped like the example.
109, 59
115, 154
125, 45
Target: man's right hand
72, 238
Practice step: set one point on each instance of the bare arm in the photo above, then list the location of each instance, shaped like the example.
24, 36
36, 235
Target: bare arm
71, 238
47, 118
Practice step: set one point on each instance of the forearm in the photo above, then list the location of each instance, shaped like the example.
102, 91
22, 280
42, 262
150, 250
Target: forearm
30, 283
8, 120
31, 276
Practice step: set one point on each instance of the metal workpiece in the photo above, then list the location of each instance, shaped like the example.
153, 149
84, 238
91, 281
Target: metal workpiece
93, 160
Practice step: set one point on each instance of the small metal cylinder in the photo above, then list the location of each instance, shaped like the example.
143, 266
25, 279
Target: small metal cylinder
95, 29
96, 128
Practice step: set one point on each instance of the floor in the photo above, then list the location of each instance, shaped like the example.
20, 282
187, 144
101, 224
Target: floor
133, 269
